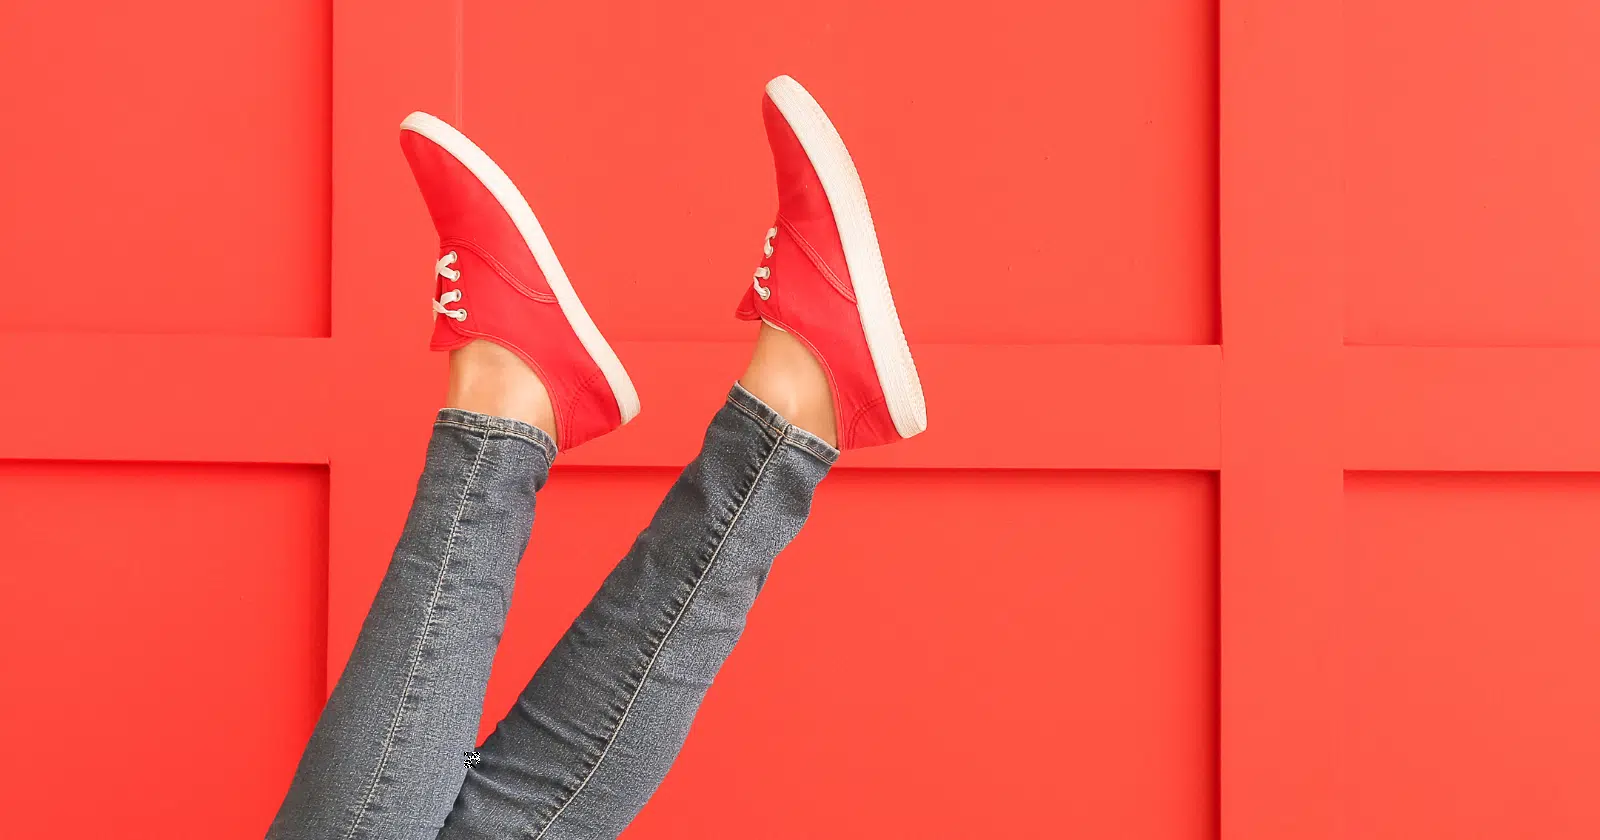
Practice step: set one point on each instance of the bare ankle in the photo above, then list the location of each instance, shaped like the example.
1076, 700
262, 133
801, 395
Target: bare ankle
787, 377
489, 379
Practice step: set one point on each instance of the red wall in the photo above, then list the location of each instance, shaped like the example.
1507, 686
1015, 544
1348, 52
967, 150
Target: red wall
1259, 498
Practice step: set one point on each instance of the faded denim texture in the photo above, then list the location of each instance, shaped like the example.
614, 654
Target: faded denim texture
596, 729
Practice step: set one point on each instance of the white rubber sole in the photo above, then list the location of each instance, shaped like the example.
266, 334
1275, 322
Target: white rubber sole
510, 198
886, 339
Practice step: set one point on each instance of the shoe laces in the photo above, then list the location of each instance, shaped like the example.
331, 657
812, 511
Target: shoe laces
764, 272
443, 269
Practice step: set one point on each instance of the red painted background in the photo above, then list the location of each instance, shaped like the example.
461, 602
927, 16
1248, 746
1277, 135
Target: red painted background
1261, 343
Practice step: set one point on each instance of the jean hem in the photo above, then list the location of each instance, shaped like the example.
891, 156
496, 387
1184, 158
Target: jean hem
786, 432
506, 426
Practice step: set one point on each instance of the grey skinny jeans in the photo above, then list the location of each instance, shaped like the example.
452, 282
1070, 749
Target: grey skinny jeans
594, 732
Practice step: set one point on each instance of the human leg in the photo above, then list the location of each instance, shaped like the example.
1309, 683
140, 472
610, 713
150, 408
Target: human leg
603, 718
600, 723
528, 370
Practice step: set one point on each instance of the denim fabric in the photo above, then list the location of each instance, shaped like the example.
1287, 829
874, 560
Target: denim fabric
598, 726
385, 760
594, 732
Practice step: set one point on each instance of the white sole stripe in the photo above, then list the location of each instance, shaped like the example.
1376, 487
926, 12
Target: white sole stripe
511, 200
886, 339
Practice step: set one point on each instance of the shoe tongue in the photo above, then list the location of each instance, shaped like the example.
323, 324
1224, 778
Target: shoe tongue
747, 310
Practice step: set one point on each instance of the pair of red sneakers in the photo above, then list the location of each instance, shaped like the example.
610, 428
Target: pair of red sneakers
821, 280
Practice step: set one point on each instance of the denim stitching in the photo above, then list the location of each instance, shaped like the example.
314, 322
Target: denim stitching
833, 382
810, 446
422, 640
750, 412
487, 429
478, 420
681, 610
786, 433
636, 675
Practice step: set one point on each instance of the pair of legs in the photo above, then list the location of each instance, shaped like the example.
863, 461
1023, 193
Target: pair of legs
602, 719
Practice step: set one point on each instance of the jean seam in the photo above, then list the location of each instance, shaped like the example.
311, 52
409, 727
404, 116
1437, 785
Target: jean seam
487, 429
422, 639
808, 446
786, 434
667, 636
749, 412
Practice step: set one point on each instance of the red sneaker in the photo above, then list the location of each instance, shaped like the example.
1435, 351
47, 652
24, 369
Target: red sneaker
823, 280
498, 270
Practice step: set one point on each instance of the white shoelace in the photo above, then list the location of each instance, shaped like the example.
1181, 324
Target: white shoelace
442, 267
764, 272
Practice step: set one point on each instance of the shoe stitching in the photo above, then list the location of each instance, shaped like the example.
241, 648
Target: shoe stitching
861, 414
749, 493
833, 383
527, 359
816, 260
583, 388
499, 268
460, 340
